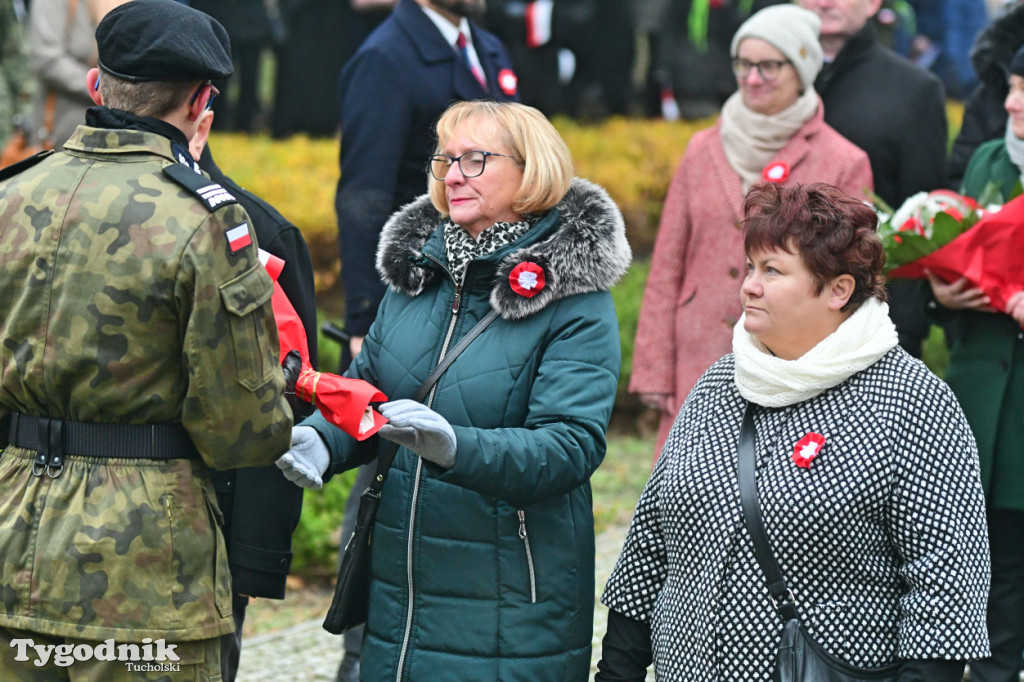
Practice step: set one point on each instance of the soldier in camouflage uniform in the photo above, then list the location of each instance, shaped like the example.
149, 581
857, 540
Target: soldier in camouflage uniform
138, 347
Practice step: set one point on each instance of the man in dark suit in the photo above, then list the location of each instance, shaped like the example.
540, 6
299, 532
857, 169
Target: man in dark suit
894, 111
392, 91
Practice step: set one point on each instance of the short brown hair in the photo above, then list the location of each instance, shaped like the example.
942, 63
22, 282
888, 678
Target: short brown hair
532, 142
833, 233
147, 98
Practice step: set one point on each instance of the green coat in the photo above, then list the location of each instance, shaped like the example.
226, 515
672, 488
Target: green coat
486, 571
986, 364
124, 303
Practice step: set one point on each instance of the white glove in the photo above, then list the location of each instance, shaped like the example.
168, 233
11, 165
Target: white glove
417, 427
307, 460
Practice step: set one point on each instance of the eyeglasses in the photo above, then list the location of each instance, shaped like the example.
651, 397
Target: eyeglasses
769, 69
471, 163
213, 95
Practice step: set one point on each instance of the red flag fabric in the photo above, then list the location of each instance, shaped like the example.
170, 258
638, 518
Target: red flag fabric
988, 254
343, 402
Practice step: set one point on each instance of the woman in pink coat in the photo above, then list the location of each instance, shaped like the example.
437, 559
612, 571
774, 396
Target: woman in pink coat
772, 130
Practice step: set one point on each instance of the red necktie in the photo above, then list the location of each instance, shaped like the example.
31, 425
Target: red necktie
463, 46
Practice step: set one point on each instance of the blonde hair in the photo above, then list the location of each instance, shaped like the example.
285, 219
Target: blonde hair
531, 141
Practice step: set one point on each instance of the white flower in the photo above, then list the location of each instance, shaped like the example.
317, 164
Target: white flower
528, 280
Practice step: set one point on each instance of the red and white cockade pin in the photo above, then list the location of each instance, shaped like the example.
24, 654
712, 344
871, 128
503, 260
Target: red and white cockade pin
508, 81
776, 172
526, 279
807, 448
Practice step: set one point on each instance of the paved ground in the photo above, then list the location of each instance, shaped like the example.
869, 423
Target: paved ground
306, 652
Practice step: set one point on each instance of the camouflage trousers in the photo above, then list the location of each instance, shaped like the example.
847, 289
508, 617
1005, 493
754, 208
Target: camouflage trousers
198, 661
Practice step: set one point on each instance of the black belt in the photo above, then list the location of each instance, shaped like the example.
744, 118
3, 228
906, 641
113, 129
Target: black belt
55, 438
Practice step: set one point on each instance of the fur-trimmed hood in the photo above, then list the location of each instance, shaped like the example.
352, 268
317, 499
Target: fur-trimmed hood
586, 252
995, 46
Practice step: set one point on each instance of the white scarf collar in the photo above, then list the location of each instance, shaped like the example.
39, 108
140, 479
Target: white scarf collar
1014, 147
859, 342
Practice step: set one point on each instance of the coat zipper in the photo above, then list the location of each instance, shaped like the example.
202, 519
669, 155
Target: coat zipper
416, 486
529, 555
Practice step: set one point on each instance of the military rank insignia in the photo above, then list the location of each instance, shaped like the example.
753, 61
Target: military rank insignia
210, 193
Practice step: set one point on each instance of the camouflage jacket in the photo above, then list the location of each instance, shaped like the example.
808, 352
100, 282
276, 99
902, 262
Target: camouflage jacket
123, 301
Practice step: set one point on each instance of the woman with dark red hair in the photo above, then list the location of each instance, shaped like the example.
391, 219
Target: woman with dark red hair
860, 460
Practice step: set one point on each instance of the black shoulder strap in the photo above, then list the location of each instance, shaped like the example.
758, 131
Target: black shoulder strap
23, 165
206, 190
385, 458
782, 598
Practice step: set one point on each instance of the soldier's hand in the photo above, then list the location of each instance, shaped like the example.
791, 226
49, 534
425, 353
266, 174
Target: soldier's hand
307, 460
292, 367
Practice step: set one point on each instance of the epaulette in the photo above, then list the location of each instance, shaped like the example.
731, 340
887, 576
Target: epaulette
23, 165
209, 192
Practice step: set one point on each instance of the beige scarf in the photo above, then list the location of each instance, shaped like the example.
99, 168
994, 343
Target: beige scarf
860, 341
751, 140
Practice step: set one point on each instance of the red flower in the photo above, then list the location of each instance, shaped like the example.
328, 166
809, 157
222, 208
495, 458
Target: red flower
807, 448
526, 279
912, 224
776, 172
508, 81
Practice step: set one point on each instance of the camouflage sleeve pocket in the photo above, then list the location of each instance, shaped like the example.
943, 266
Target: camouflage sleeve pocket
246, 298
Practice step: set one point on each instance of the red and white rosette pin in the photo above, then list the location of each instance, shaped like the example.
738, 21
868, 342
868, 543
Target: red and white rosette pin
508, 81
775, 172
526, 279
807, 448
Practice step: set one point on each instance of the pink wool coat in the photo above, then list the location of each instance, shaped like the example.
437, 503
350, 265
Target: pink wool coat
692, 299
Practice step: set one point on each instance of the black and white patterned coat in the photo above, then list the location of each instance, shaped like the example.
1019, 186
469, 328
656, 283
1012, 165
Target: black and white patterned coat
882, 540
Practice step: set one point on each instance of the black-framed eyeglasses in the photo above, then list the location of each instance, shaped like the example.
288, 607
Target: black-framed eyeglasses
768, 68
471, 163
213, 95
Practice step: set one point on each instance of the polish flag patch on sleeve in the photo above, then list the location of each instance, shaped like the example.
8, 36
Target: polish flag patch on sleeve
238, 237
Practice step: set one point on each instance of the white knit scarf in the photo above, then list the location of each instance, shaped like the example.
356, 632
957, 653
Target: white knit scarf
1014, 148
859, 342
751, 140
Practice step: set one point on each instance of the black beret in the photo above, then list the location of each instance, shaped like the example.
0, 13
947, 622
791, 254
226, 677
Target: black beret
162, 40
1017, 65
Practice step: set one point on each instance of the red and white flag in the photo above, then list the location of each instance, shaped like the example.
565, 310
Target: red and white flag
238, 237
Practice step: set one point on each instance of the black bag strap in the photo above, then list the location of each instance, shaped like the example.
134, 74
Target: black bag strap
782, 598
385, 458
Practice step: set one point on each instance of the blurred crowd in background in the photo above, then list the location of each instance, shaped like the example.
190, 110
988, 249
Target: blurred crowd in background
586, 59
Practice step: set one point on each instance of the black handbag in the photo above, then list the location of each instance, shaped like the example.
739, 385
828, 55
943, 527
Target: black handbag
800, 658
351, 601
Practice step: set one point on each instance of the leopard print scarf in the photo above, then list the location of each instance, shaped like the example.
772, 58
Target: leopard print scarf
461, 248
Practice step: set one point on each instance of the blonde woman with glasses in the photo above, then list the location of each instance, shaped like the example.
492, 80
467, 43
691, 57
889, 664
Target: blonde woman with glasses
483, 549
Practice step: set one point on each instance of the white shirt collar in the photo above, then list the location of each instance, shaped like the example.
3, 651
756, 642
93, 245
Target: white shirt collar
449, 31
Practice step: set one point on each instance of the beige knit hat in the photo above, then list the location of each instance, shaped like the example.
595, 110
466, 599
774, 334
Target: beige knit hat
791, 30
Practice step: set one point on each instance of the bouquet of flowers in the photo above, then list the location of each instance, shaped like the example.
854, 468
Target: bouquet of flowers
952, 236
924, 223
342, 401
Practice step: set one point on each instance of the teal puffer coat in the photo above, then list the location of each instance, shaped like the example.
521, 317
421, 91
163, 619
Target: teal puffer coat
486, 571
